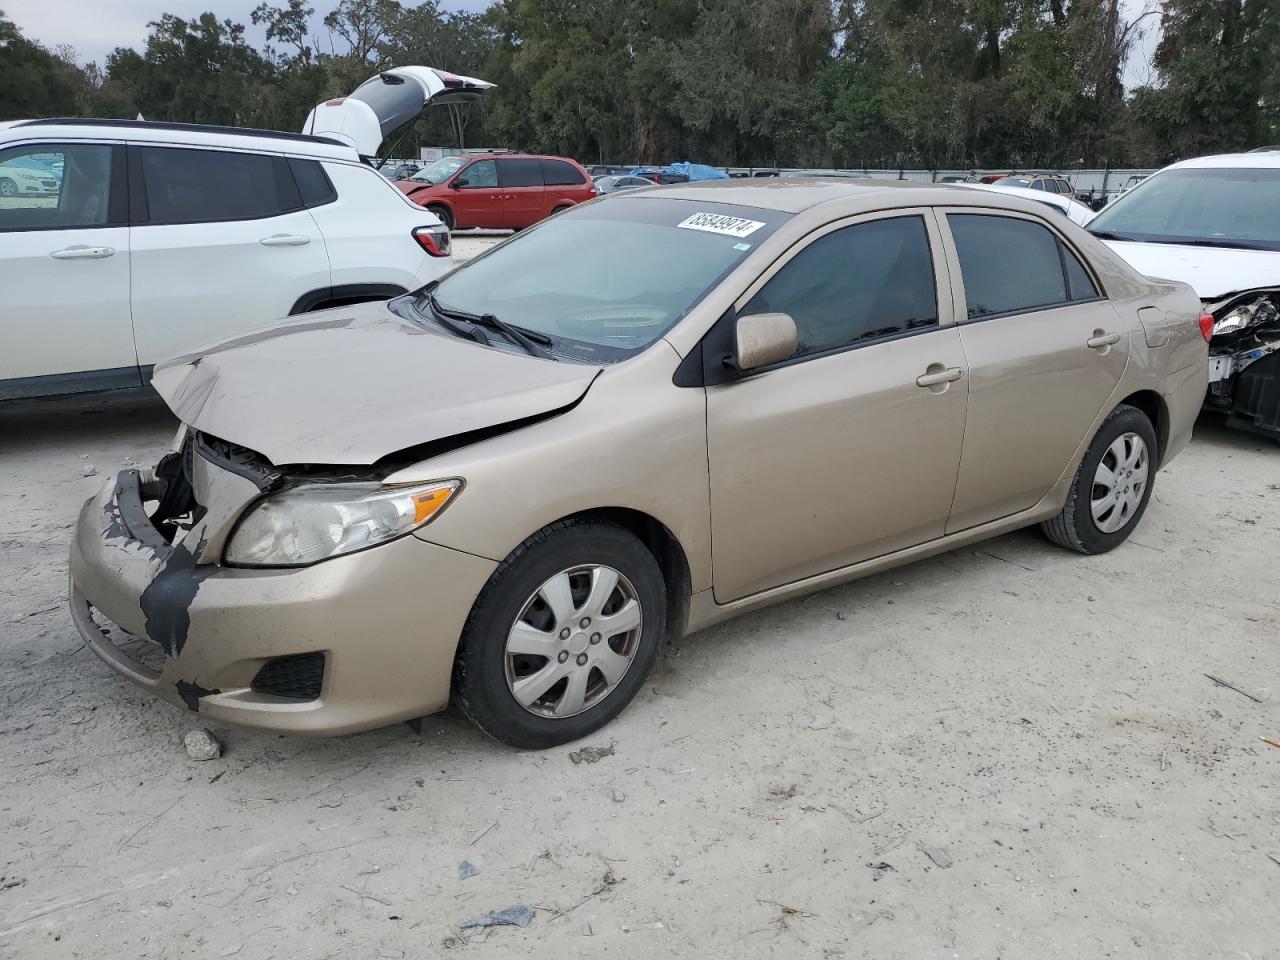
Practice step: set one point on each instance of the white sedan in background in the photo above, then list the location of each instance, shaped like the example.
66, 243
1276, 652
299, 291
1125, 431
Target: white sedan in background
1074, 210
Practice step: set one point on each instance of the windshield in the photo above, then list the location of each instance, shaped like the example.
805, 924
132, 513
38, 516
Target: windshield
440, 171
1013, 182
1229, 207
605, 280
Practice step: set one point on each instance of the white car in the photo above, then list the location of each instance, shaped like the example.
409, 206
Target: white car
1214, 223
158, 239
1074, 210
27, 176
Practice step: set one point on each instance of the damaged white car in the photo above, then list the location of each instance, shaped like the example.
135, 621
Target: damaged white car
1214, 223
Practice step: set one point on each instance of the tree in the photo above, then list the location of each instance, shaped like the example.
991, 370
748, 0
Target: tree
36, 83
289, 25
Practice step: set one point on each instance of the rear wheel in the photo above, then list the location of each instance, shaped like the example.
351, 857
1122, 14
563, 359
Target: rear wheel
7, 187
563, 635
443, 214
1112, 485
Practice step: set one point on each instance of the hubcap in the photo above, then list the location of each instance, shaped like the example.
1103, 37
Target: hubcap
573, 642
1120, 482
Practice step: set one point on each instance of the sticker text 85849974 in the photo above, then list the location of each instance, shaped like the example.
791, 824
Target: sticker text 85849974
718, 223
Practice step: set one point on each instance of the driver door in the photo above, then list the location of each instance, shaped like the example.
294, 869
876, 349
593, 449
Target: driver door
850, 449
477, 198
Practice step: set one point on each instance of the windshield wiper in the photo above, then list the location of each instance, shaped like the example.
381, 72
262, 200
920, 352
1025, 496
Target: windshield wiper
531, 341
442, 318
534, 343
1108, 235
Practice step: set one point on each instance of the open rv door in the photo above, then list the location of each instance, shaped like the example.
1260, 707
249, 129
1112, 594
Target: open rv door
385, 103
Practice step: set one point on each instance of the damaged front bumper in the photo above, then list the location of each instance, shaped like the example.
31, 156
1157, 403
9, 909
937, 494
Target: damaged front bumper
352, 643
1244, 362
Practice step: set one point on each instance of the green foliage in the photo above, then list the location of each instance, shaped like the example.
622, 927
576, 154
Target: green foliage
895, 83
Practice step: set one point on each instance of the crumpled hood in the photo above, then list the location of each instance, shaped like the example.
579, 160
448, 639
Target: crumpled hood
1213, 272
351, 385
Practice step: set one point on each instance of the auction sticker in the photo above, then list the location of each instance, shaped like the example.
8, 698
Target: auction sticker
718, 223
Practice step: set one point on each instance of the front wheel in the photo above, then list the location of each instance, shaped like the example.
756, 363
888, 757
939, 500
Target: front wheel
1112, 485
562, 636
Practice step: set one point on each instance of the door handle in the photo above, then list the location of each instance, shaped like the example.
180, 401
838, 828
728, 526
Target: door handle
285, 240
939, 377
1102, 340
83, 253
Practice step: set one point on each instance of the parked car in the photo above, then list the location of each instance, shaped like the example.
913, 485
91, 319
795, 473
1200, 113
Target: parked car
506, 488
993, 177
597, 170
23, 176
399, 171
1078, 213
161, 237
1049, 184
614, 184
957, 178
1214, 223
498, 191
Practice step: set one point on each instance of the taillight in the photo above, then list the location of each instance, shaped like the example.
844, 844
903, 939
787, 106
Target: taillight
1206, 326
435, 240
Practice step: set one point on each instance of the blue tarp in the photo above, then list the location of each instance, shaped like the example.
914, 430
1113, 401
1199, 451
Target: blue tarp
694, 171
698, 171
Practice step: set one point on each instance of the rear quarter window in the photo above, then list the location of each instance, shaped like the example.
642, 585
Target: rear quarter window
557, 173
313, 183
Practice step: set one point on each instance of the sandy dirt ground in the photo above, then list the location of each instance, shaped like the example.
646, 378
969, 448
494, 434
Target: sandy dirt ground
1008, 751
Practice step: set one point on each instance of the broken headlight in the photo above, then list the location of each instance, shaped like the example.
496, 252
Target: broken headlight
316, 521
1246, 315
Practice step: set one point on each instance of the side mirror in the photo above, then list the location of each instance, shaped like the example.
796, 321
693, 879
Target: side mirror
459, 183
764, 338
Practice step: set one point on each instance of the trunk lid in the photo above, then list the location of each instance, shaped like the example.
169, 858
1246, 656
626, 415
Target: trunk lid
387, 102
352, 385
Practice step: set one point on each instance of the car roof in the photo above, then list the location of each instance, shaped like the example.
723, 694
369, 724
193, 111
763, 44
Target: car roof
185, 134
511, 155
1259, 159
797, 194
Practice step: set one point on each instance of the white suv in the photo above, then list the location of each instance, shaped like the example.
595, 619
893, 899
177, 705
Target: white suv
146, 240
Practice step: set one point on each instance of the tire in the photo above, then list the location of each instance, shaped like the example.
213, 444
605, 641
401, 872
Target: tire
1126, 437
512, 609
7, 187
443, 214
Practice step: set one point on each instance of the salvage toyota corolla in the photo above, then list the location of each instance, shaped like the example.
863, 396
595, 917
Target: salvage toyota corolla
645, 415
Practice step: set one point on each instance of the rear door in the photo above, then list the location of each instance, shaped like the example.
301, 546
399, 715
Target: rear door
523, 193
478, 198
849, 449
221, 244
1046, 351
64, 270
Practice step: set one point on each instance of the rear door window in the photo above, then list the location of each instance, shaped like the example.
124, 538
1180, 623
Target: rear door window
60, 186
557, 173
520, 173
860, 283
1011, 265
204, 186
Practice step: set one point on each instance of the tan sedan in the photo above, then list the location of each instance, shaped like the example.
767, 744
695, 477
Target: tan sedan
648, 414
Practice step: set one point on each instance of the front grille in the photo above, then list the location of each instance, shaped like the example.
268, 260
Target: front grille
297, 677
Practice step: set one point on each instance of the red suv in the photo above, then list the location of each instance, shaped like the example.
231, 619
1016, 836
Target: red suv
498, 190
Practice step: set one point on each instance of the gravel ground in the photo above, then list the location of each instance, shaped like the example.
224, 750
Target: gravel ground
1007, 751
